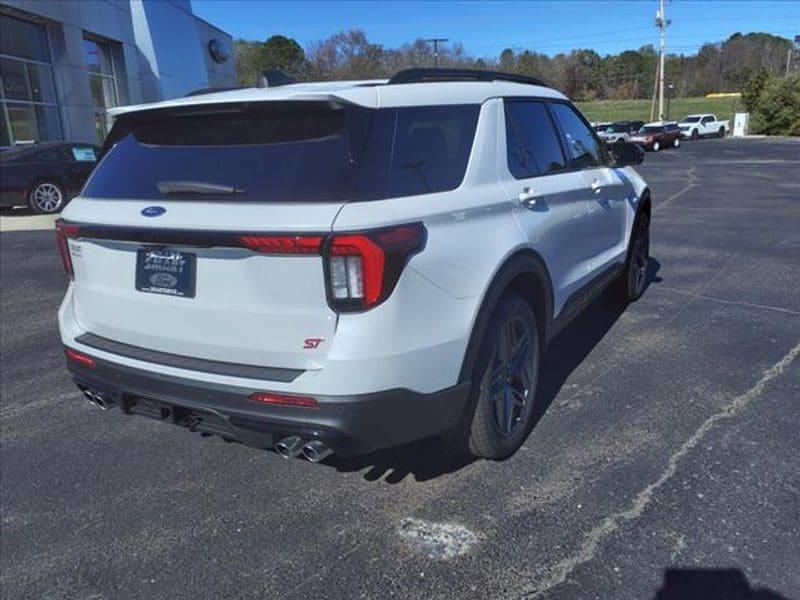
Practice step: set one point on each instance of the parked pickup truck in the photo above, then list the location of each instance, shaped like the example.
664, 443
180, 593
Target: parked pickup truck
697, 126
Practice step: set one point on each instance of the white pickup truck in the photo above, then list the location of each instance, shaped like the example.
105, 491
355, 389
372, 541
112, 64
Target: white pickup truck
697, 126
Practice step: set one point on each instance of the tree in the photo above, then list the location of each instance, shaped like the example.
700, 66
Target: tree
278, 52
347, 55
282, 54
777, 110
753, 88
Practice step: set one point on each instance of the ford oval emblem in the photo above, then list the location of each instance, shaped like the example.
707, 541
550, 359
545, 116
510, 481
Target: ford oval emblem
153, 211
163, 280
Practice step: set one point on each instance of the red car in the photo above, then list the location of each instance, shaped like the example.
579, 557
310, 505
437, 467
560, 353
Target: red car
655, 136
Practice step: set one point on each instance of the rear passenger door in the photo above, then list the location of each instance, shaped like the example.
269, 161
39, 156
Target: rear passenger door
549, 200
606, 192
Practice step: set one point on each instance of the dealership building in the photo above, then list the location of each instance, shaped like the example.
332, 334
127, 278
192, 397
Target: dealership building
64, 63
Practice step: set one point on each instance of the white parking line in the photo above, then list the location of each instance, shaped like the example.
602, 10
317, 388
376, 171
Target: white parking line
10, 222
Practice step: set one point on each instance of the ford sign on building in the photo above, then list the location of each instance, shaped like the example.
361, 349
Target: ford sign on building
66, 62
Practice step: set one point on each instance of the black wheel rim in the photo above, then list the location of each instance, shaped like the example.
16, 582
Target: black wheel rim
510, 380
640, 258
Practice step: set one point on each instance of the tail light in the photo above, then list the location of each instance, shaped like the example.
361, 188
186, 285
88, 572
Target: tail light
283, 244
65, 231
284, 399
363, 268
79, 357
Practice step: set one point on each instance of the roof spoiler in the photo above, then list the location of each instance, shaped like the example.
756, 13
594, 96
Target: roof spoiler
211, 90
274, 78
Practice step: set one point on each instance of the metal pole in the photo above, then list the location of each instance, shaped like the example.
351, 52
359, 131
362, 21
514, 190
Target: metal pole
661, 21
669, 98
435, 42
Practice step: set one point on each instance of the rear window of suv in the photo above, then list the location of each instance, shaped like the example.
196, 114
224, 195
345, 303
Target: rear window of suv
285, 152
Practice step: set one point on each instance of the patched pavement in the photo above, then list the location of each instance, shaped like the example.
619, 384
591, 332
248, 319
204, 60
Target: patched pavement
665, 460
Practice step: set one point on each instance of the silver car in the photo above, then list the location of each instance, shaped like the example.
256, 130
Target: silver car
620, 131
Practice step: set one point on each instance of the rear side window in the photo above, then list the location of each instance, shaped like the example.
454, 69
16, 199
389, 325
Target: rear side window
431, 148
583, 148
285, 152
531, 140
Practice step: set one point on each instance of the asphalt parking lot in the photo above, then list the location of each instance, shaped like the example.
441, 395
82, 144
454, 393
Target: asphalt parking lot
666, 458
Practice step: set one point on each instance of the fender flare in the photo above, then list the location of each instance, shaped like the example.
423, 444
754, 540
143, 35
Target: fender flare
644, 206
523, 266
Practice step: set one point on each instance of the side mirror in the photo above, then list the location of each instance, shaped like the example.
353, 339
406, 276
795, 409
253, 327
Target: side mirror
627, 153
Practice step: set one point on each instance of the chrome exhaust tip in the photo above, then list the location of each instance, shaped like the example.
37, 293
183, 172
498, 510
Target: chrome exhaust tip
289, 447
99, 399
316, 451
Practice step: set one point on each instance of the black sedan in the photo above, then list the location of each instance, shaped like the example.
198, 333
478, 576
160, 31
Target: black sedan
44, 176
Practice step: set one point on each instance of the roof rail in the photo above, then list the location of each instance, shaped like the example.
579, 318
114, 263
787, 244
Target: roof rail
274, 78
431, 75
211, 90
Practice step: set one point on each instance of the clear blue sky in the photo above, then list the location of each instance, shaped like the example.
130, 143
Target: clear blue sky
485, 28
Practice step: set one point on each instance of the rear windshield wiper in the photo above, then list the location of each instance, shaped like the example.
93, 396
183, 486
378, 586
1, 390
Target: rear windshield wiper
195, 187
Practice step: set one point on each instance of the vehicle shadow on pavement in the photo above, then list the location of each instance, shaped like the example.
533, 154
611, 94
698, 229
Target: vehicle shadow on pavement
711, 584
424, 459
429, 458
570, 347
16, 212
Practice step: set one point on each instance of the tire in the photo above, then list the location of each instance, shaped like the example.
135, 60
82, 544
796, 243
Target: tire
721, 133
499, 412
46, 197
676, 143
633, 281
695, 135
656, 146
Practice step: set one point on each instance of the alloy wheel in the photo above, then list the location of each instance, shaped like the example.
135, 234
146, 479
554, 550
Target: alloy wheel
47, 197
510, 380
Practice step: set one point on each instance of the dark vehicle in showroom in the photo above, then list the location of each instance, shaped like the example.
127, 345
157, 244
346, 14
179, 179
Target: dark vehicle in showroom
655, 136
44, 176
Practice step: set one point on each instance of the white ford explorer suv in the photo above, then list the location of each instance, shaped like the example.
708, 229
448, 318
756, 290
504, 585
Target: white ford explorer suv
345, 266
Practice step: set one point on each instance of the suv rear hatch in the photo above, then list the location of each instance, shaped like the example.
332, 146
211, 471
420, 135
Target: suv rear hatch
199, 234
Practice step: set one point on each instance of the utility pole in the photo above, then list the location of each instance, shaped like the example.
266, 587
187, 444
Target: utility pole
661, 23
792, 56
435, 42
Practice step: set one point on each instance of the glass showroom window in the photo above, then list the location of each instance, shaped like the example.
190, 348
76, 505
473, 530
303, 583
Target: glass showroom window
27, 93
102, 83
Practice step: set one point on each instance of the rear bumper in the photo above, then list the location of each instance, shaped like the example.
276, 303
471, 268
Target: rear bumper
352, 424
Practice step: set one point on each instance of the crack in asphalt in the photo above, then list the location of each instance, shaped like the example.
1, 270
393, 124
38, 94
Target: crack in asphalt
733, 302
563, 569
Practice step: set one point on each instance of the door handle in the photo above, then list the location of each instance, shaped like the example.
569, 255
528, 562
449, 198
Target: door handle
596, 186
528, 197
